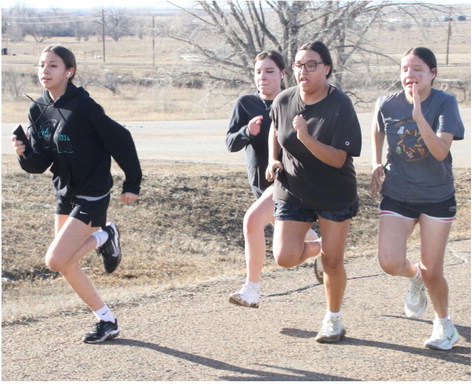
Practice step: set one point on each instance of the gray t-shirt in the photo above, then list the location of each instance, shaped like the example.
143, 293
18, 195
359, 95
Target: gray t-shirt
412, 174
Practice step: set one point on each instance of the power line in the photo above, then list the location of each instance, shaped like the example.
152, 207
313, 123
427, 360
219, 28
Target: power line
56, 22
36, 17
42, 16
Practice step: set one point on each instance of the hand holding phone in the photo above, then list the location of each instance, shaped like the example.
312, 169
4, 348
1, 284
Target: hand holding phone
21, 136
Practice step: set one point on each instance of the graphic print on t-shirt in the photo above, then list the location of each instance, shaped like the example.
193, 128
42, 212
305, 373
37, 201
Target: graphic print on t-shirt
408, 142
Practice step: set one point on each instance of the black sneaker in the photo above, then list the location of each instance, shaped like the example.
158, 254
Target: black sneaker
111, 250
104, 330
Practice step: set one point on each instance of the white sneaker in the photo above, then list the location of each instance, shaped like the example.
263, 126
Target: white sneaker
444, 335
247, 296
415, 300
332, 330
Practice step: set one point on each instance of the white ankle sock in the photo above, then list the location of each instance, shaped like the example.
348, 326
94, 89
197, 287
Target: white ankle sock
104, 314
336, 315
252, 284
101, 236
442, 320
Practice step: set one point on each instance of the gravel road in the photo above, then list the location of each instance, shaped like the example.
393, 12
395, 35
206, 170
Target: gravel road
193, 333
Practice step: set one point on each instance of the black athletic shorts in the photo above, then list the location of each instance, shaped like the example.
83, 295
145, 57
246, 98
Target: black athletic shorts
94, 212
443, 211
289, 212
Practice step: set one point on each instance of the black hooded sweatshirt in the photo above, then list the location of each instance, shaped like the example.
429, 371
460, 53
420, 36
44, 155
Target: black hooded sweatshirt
257, 147
75, 137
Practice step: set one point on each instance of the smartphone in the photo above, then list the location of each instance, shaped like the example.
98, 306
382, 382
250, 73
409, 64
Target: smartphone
21, 136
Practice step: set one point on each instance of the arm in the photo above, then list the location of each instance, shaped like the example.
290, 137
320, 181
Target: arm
34, 163
274, 150
37, 159
377, 167
119, 143
238, 135
438, 144
323, 152
126, 156
236, 141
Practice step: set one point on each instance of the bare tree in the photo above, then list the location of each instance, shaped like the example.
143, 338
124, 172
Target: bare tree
20, 21
245, 28
115, 23
14, 83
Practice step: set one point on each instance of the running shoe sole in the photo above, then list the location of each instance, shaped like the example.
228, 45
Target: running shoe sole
448, 347
331, 339
238, 300
109, 336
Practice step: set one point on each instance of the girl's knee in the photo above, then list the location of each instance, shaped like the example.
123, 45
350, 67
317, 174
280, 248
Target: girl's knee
389, 265
249, 224
285, 263
54, 262
253, 222
432, 275
332, 265
284, 260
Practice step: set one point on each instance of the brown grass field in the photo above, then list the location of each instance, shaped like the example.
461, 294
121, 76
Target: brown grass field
187, 226
185, 229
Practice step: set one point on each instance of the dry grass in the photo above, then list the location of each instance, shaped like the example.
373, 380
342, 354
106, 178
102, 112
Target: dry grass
186, 228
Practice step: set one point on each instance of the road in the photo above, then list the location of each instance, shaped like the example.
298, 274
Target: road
203, 141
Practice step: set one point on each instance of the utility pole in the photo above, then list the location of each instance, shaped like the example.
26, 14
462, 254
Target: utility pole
103, 34
153, 40
448, 35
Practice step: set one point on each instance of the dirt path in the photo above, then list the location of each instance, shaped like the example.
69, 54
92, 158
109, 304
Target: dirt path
193, 333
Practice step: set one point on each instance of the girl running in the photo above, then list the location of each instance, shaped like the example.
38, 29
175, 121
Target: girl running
70, 134
316, 128
417, 186
249, 129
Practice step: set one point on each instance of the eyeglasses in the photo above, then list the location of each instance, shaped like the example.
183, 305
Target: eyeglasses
310, 66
